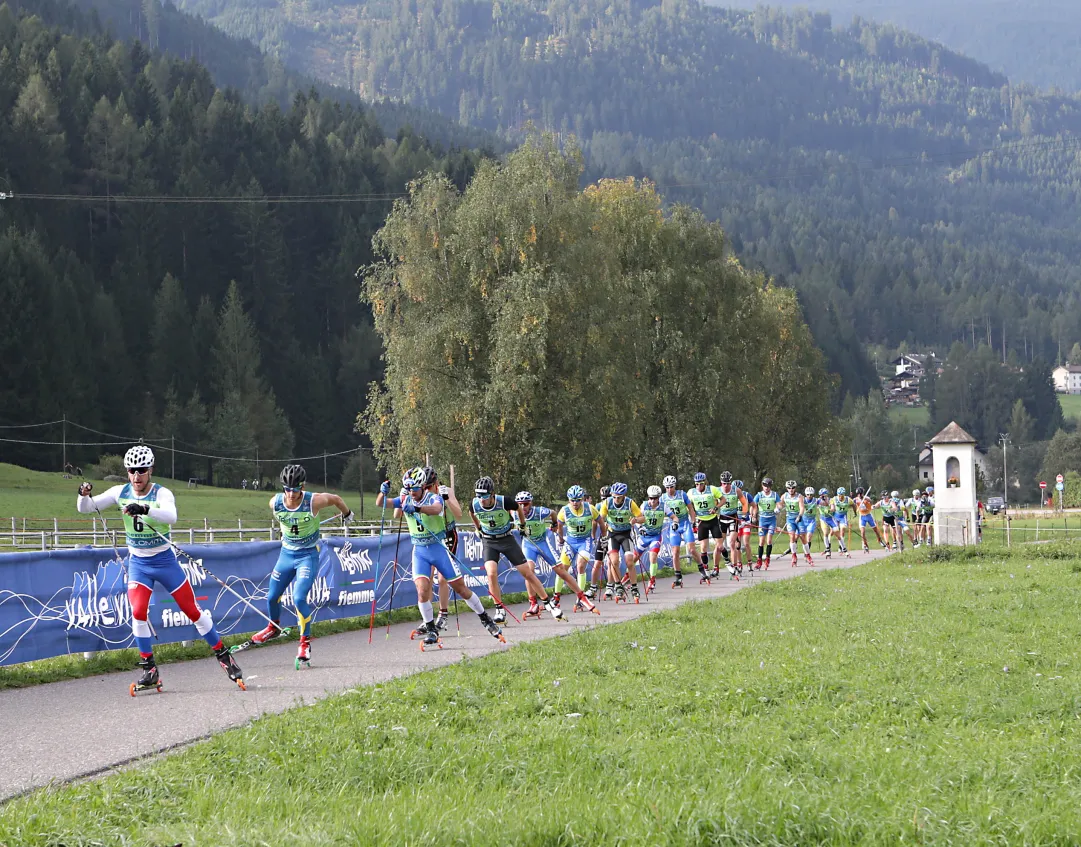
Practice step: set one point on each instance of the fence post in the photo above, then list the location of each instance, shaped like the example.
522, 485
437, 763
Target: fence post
191, 535
1037, 529
56, 532
43, 547
13, 531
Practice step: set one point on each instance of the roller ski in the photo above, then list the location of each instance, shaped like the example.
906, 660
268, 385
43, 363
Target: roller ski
492, 627
583, 604
715, 573
810, 561
149, 679
229, 665
703, 578
678, 581
608, 592
441, 620
553, 609
591, 592
652, 585
635, 593
620, 594
733, 573
534, 610
429, 634
272, 632
499, 614
795, 560
304, 653
758, 565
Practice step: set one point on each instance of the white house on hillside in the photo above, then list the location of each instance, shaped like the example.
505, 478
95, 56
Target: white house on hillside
1067, 379
914, 363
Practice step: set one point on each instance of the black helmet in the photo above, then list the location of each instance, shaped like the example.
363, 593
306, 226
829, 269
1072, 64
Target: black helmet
859, 492
767, 482
292, 476
484, 486
428, 476
726, 476
605, 491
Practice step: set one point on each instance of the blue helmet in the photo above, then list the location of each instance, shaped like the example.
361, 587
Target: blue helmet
619, 489
523, 497
842, 491
823, 492
699, 477
576, 492
738, 483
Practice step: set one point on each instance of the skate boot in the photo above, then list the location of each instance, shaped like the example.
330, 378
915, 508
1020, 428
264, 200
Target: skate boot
229, 665
652, 584
608, 593
634, 593
620, 594
441, 620
583, 604
829, 554
149, 678
733, 572
795, 561
430, 636
678, 581
304, 653
591, 592
272, 632
555, 599
866, 549
715, 573
534, 610
492, 627
768, 560
758, 564
848, 555
810, 561
553, 607
499, 615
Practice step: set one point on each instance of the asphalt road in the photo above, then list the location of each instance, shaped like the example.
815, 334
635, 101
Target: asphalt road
78, 728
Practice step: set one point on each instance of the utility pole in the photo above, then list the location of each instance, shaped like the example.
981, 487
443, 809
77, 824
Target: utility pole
64, 468
1004, 437
324, 469
172, 446
360, 466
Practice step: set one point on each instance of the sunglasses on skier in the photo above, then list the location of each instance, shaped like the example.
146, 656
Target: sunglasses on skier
138, 470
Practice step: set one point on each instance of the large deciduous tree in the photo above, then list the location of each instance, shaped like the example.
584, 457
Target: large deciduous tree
544, 334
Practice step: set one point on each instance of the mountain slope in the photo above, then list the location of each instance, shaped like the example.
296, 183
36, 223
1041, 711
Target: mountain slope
1033, 41
911, 194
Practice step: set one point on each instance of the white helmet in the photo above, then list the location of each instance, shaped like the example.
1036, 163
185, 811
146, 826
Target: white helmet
809, 491
139, 456
669, 481
895, 494
915, 492
653, 491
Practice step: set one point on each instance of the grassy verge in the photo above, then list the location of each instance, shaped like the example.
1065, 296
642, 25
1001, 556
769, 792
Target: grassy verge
929, 698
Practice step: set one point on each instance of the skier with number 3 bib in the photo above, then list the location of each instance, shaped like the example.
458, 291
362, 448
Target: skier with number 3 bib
150, 509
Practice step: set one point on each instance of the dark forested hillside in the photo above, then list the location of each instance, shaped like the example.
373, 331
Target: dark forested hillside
1034, 41
205, 310
910, 194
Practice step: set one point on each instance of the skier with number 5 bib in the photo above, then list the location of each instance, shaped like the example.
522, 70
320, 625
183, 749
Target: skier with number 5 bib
149, 509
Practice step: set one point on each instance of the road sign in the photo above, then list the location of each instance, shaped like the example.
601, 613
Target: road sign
1059, 478
1059, 486
1043, 484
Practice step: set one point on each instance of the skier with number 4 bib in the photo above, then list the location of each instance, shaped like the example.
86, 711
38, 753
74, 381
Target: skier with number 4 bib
149, 509
296, 512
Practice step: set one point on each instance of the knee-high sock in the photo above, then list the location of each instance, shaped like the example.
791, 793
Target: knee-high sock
139, 598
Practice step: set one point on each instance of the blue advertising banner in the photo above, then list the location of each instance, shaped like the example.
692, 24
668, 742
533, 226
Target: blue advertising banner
69, 601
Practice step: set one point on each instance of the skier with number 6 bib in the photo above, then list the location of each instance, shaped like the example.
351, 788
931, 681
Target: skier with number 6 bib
149, 509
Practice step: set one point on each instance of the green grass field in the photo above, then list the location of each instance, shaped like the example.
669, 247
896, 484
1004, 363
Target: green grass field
39, 496
925, 699
1071, 405
909, 415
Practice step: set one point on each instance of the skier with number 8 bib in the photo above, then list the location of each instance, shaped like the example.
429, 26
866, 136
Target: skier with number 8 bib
149, 509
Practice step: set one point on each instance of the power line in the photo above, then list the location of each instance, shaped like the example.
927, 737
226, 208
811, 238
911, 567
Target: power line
210, 200
31, 426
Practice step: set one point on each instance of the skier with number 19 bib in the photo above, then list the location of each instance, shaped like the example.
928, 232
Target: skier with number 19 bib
149, 509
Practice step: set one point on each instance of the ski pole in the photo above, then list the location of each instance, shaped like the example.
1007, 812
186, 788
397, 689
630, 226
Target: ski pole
394, 574
222, 582
378, 555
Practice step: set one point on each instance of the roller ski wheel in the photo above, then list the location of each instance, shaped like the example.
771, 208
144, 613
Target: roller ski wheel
430, 637
678, 581
810, 561
703, 578
492, 627
848, 555
583, 604
715, 573
636, 594
608, 593
304, 653
591, 592
620, 595
149, 679
554, 610
758, 565
231, 668
652, 586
